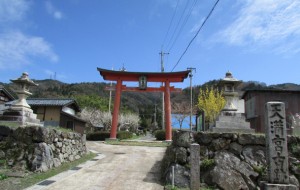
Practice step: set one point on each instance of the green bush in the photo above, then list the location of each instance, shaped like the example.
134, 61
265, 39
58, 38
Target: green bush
3, 176
295, 149
160, 135
98, 136
206, 164
102, 135
261, 170
124, 135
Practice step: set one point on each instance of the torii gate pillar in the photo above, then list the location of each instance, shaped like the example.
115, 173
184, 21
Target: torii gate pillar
115, 118
168, 111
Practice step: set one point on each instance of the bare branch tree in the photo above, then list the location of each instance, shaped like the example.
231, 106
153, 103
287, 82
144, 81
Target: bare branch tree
96, 118
129, 122
180, 112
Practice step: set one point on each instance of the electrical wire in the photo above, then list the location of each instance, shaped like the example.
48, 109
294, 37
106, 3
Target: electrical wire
177, 25
183, 24
170, 23
207, 17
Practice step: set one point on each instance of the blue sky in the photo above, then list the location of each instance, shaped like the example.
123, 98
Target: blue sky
254, 39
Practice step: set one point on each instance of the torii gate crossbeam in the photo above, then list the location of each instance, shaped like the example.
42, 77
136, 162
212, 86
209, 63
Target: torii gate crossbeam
143, 78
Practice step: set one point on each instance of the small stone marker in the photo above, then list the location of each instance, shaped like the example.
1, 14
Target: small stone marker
195, 166
276, 147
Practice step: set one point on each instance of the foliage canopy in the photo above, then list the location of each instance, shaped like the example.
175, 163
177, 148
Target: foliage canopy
211, 101
92, 101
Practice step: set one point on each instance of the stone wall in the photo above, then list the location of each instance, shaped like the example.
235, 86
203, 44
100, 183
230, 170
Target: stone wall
227, 160
38, 148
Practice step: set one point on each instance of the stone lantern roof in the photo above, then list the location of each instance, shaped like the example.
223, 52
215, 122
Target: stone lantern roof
229, 78
24, 79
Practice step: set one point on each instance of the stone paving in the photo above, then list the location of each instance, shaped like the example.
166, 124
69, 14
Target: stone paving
115, 168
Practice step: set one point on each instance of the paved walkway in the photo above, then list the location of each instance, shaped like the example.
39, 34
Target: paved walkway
147, 138
117, 168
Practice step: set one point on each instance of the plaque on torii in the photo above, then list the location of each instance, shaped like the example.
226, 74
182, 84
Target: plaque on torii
143, 78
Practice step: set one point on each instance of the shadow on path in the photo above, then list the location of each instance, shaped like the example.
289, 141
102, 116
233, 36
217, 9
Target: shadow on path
154, 175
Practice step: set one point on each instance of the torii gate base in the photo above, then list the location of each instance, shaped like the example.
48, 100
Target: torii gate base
142, 78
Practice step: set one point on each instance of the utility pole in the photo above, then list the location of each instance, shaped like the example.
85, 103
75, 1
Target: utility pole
155, 123
163, 94
109, 103
191, 88
110, 91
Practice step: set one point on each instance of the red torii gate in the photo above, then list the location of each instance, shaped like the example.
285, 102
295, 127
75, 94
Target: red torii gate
143, 78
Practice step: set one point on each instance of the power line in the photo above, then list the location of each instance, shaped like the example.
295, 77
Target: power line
175, 30
183, 24
207, 17
171, 23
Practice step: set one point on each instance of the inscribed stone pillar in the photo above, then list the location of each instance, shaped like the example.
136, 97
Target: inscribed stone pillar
195, 166
276, 143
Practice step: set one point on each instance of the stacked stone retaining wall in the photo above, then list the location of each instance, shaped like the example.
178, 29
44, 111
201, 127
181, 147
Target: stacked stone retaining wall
227, 160
39, 148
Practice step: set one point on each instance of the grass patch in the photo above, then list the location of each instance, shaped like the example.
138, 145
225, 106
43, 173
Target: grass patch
10, 124
21, 183
135, 143
2, 162
3, 176
134, 136
169, 187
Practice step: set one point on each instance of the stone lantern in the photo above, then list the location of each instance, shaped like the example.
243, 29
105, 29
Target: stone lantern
19, 112
232, 117
23, 84
228, 85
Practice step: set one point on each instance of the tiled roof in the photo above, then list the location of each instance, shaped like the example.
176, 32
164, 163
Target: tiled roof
49, 102
73, 116
52, 102
9, 94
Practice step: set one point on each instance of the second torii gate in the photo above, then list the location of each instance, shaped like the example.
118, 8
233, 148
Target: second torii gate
143, 78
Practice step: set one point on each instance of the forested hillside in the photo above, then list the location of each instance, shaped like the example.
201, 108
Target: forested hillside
93, 94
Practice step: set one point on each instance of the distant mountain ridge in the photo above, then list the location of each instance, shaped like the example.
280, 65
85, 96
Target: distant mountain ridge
56, 89
134, 101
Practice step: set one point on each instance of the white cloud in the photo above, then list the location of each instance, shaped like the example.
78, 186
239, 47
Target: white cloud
196, 26
16, 49
265, 23
13, 10
53, 11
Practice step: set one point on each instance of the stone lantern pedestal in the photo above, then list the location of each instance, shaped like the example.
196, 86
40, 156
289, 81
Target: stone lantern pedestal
19, 112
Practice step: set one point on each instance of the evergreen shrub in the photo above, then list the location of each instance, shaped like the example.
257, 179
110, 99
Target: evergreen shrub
98, 136
124, 135
102, 135
160, 135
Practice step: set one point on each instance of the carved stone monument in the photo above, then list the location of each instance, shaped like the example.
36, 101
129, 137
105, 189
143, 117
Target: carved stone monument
276, 147
19, 111
232, 118
195, 166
